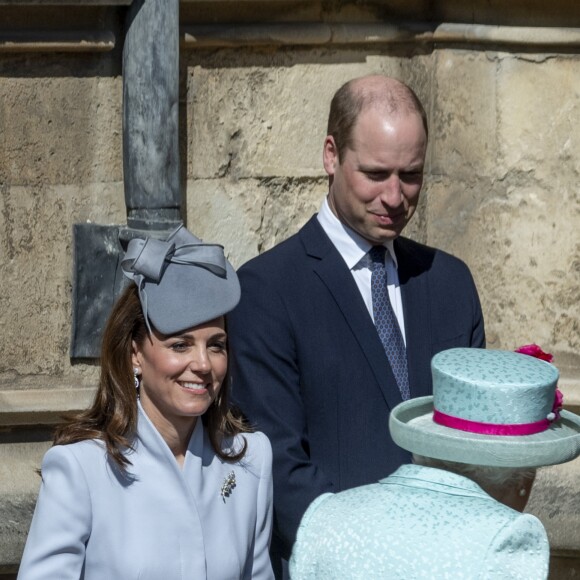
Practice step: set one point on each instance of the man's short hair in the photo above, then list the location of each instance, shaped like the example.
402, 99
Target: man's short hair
349, 101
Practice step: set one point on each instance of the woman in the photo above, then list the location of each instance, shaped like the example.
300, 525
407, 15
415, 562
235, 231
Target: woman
155, 480
494, 418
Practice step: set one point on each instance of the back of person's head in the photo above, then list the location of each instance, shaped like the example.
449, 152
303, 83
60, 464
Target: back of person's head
357, 95
495, 416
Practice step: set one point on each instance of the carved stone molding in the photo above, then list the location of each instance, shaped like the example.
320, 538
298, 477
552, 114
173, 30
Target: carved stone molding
34, 407
322, 34
60, 25
57, 41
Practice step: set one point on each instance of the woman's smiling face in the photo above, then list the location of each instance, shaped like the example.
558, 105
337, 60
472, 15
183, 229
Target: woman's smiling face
181, 374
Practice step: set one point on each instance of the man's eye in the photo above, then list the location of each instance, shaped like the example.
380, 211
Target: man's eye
411, 175
376, 175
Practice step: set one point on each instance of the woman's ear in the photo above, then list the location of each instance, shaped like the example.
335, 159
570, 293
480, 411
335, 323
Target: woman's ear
135, 355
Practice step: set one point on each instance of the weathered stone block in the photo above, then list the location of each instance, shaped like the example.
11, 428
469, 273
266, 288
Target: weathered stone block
525, 267
288, 206
36, 272
227, 212
61, 129
252, 122
20, 456
464, 116
557, 507
249, 216
539, 113
270, 121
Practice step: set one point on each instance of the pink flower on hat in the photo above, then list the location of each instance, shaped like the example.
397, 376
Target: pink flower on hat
558, 403
535, 351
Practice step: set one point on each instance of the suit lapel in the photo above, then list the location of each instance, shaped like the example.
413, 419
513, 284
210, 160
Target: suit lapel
329, 266
416, 309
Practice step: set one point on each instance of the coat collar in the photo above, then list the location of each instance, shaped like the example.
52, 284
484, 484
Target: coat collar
435, 479
152, 441
153, 458
350, 244
414, 263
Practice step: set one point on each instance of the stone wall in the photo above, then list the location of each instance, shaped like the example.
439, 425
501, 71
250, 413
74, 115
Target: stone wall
501, 84
502, 168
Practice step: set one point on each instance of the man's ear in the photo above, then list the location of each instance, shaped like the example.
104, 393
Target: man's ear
330, 155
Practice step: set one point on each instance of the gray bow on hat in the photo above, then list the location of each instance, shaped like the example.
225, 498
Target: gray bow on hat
181, 281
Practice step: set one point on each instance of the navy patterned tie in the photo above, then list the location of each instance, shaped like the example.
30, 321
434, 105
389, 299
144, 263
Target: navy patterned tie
386, 321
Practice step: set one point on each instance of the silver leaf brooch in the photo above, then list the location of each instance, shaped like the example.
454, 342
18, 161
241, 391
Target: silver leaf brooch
228, 485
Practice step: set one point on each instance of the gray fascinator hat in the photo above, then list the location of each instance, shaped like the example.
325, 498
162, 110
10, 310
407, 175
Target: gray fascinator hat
182, 281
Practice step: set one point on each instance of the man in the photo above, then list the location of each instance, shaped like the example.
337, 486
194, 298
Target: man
310, 368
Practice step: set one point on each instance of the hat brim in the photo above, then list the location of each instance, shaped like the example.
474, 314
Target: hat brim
412, 428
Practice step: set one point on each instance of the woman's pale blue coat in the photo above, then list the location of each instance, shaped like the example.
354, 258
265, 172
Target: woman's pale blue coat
419, 522
162, 522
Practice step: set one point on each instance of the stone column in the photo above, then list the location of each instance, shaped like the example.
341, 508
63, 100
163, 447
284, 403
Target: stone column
150, 168
150, 115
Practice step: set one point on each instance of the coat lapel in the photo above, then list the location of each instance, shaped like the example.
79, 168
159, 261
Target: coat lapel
416, 309
329, 266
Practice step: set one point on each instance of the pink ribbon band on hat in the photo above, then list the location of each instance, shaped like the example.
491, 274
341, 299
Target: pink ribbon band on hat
489, 428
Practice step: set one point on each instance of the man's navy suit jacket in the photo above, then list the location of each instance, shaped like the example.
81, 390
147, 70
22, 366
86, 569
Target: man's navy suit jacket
309, 370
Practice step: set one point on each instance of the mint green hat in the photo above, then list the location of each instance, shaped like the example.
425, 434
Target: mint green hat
489, 407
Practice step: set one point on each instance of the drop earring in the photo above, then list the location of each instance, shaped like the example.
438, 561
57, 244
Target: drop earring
136, 378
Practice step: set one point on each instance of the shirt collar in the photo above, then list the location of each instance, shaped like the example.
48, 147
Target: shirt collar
350, 245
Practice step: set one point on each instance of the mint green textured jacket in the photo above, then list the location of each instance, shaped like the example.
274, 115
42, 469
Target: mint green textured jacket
419, 522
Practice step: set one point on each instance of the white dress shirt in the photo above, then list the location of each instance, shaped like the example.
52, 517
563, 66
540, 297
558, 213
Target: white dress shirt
354, 251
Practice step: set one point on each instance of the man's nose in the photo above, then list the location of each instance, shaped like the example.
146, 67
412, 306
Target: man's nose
392, 194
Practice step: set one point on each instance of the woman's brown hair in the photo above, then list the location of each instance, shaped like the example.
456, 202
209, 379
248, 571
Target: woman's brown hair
112, 417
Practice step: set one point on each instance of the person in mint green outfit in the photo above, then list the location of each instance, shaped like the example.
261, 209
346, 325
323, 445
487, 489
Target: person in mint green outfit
494, 418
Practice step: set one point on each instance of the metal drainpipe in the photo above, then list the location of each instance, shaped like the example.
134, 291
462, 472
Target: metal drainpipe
150, 168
